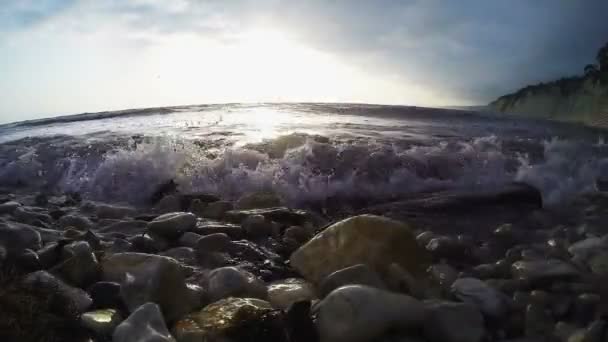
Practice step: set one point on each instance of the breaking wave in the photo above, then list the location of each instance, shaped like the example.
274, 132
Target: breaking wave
300, 168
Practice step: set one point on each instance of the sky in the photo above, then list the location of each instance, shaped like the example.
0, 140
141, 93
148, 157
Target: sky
62, 57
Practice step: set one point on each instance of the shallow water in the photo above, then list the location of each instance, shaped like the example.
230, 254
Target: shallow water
305, 152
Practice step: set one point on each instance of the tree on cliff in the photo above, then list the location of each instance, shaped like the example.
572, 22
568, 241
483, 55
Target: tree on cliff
602, 58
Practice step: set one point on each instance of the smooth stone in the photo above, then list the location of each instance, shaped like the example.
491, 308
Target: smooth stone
585, 248
226, 282
217, 242
9, 207
105, 294
216, 210
29, 215
107, 211
543, 270
256, 226
80, 270
358, 313
454, 322
150, 278
586, 307
283, 293
145, 324
474, 291
366, 239
231, 319
189, 239
75, 221
359, 274
184, 255
448, 248
101, 322
17, 237
72, 301
599, 264
172, 225
258, 200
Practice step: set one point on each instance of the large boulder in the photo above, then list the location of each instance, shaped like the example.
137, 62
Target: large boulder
366, 239
172, 225
359, 313
17, 237
151, 278
232, 319
145, 324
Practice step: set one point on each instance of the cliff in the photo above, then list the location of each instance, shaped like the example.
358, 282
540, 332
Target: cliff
581, 99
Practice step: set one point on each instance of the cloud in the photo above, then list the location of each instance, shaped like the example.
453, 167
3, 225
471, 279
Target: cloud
468, 50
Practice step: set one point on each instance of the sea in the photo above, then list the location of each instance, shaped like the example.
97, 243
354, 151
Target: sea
304, 152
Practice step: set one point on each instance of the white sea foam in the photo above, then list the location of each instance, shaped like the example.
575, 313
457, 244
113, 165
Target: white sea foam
372, 159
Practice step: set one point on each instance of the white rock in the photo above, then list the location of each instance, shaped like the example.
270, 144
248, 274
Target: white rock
146, 324
283, 293
474, 291
359, 313
227, 282
172, 225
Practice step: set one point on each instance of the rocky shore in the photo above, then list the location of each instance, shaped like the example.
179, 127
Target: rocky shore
494, 266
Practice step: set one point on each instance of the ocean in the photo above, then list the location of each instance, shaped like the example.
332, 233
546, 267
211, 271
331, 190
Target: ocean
305, 153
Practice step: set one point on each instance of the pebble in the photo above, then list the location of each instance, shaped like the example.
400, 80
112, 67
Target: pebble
218, 242
226, 282
17, 237
172, 225
544, 270
358, 313
474, 291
